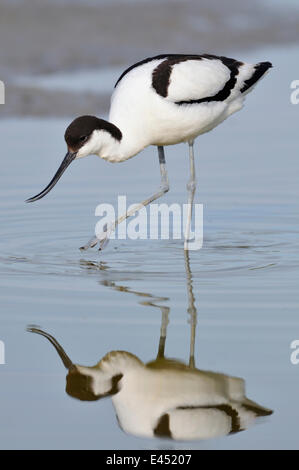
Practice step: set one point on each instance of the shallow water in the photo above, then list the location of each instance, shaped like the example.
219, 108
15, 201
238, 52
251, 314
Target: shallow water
244, 280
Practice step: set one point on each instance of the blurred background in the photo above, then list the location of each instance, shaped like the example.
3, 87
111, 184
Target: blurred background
60, 59
40, 40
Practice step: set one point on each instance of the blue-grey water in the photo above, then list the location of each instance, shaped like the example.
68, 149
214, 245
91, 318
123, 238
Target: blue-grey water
245, 279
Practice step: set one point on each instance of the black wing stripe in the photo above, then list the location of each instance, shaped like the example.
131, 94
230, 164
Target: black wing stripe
259, 70
145, 61
227, 409
162, 75
233, 414
163, 429
222, 95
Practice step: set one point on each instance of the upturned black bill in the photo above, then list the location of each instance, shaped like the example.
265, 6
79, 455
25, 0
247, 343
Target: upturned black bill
65, 163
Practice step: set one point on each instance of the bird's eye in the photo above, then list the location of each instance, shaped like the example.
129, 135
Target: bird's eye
83, 138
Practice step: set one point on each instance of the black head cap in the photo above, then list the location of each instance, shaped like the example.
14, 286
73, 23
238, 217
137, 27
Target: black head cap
79, 131
81, 386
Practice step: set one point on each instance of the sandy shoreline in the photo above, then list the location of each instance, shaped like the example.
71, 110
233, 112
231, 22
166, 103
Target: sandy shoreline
44, 37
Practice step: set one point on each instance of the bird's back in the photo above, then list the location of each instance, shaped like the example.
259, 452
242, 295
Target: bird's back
173, 97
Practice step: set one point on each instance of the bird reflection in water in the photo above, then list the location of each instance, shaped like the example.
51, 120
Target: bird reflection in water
164, 398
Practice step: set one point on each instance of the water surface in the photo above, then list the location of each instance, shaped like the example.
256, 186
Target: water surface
244, 280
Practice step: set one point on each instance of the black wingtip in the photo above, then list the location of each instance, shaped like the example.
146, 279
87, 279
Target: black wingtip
259, 70
265, 65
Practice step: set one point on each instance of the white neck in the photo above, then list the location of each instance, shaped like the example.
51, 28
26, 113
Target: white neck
103, 144
135, 135
113, 364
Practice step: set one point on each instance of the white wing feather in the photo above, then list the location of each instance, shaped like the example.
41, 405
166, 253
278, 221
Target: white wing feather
197, 79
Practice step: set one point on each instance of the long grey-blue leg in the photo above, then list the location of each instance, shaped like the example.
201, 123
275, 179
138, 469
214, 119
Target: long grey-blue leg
164, 187
191, 187
191, 310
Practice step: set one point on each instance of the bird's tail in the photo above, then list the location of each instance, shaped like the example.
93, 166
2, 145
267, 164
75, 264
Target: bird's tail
258, 72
